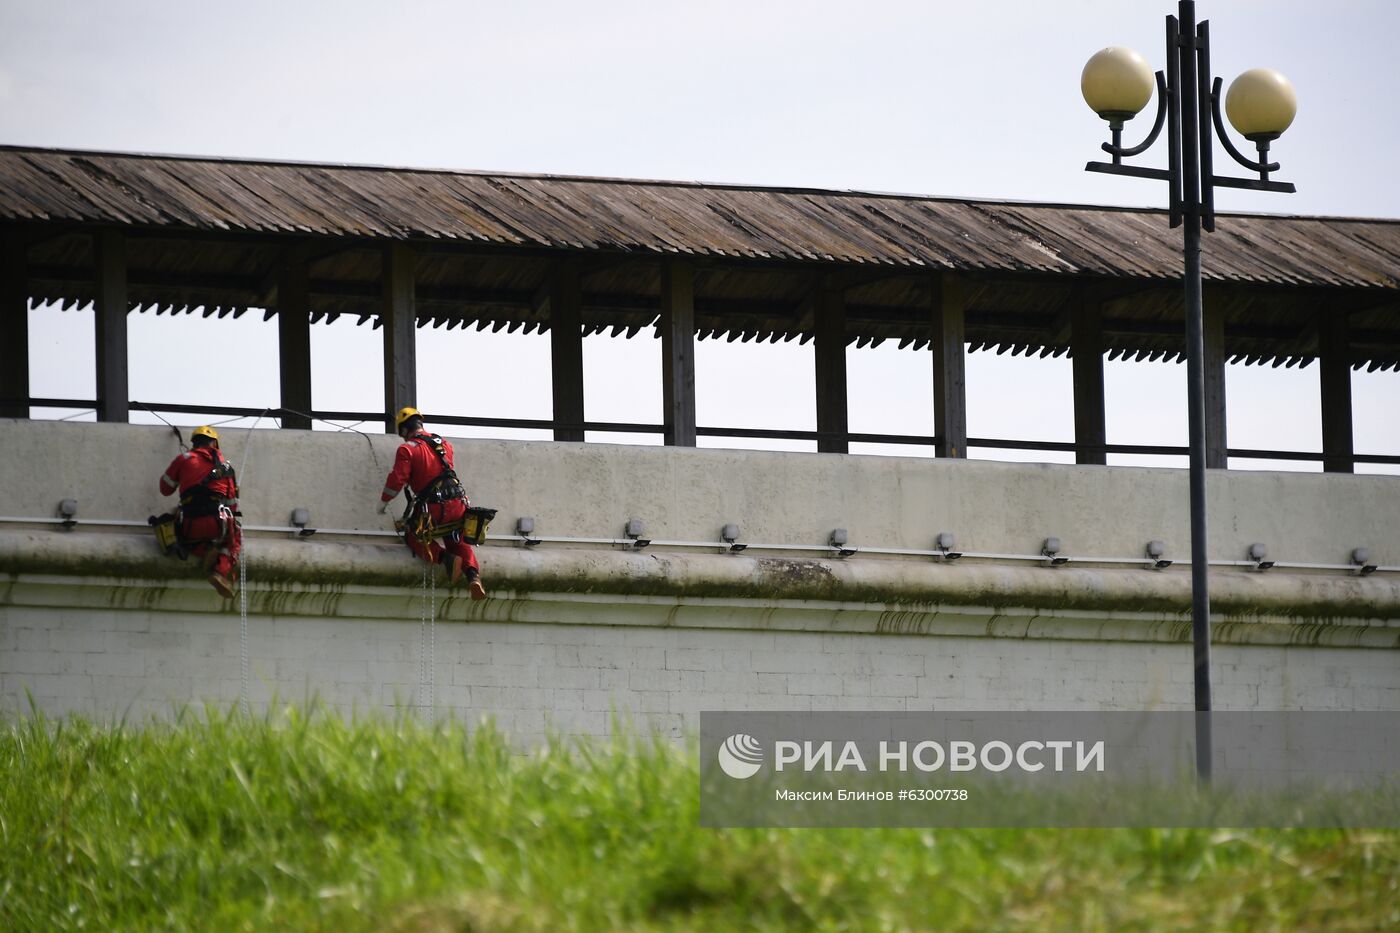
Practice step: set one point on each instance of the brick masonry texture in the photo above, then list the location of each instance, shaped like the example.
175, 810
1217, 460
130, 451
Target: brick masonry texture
575, 679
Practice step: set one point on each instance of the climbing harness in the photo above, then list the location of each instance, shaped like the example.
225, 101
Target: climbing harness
198, 501
417, 520
445, 487
418, 523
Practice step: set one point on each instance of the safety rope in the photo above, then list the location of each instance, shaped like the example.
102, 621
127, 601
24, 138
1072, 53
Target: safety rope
340, 428
178, 436
432, 638
427, 642
243, 633
427, 623
427, 636
425, 661
243, 584
422, 642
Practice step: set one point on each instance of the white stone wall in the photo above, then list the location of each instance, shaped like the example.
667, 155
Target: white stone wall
590, 490
93, 620
531, 676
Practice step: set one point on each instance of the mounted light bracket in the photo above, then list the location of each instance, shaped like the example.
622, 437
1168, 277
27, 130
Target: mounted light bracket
525, 529
1258, 553
634, 529
300, 518
945, 542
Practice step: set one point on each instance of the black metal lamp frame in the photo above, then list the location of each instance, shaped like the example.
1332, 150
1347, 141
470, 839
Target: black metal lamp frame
1188, 102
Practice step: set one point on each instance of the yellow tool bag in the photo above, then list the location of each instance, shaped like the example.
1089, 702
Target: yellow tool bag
472, 525
166, 537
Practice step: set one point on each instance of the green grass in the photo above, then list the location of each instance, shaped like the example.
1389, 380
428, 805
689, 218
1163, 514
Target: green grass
305, 821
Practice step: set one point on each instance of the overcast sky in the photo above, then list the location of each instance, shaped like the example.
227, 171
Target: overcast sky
966, 99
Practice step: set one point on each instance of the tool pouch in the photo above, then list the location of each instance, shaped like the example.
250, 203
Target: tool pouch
166, 537
475, 523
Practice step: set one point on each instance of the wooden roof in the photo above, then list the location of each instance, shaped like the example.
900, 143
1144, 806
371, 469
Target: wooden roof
209, 233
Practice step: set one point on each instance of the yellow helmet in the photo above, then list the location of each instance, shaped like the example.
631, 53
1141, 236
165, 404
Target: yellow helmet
405, 414
205, 431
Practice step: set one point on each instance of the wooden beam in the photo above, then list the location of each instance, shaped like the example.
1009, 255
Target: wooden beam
1334, 355
678, 352
14, 327
949, 328
538, 302
113, 389
566, 348
264, 293
1086, 352
830, 346
1213, 323
294, 339
1100, 292
1040, 327
400, 347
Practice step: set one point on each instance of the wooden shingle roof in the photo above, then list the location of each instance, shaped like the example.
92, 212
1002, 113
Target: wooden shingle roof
206, 233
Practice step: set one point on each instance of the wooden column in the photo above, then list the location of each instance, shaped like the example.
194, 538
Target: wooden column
294, 340
113, 391
566, 349
678, 352
14, 328
1213, 322
949, 327
398, 314
1086, 353
830, 344
1334, 355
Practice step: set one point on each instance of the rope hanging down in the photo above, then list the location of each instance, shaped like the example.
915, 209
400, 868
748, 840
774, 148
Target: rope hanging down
243, 633
427, 641
427, 636
243, 584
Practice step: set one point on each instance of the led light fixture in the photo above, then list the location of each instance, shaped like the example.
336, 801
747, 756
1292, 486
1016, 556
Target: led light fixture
1258, 551
729, 534
1050, 550
945, 542
525, 528
634, 529
1361, 558
300, 518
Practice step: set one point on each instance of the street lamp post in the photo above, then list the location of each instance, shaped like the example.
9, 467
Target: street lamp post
1117, 84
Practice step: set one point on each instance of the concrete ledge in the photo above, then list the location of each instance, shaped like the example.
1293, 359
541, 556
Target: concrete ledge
334, 579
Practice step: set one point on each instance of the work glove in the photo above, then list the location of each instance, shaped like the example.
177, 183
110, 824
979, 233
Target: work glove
383, 507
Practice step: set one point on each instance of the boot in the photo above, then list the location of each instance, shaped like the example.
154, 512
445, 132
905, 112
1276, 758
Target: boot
220, 583
478, 592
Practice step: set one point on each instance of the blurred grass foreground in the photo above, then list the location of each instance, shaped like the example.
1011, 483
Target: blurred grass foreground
303, 820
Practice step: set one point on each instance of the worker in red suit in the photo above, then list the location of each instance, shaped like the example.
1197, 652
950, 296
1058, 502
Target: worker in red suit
206, 519
424, 463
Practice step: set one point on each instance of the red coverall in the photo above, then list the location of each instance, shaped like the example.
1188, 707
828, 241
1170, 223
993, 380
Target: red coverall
202, 532
416, 465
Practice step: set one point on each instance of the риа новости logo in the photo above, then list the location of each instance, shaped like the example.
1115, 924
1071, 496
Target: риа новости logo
740, 756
